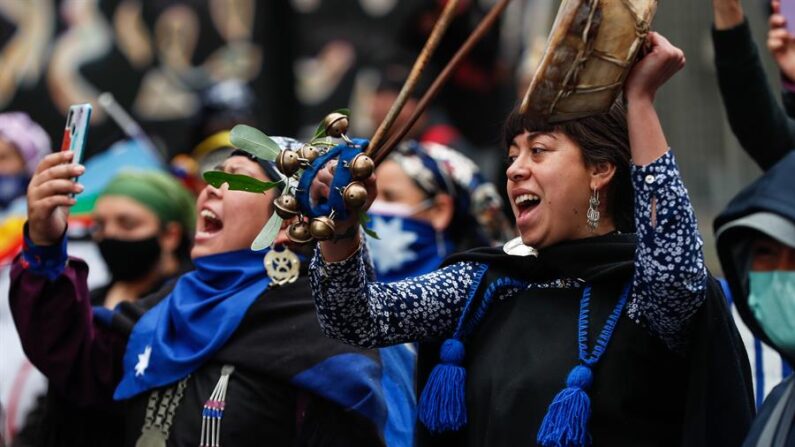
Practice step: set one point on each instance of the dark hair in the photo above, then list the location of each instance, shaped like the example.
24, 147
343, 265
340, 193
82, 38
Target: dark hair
601, 138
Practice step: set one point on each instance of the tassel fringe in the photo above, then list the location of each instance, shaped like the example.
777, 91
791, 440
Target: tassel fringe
442, 405
213, 411
566, 421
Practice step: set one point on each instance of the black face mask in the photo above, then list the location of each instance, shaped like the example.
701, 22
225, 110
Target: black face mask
130, 260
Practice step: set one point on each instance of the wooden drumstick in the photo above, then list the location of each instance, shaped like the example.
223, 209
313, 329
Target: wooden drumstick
414, 76
483, 27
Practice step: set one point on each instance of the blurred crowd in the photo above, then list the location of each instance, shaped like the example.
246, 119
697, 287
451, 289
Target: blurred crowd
147, 240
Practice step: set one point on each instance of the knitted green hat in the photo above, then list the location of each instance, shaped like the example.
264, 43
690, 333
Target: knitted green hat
159, 192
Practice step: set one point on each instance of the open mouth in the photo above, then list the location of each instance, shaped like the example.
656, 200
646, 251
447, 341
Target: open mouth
210, 222
526, 202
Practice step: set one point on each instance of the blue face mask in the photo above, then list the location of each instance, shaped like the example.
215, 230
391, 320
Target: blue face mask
772, 301
12, 187
408, 247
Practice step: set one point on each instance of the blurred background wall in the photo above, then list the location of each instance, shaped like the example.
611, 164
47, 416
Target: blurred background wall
304, 58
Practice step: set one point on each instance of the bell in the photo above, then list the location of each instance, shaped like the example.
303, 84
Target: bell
288, 163
299, 232
286, 206
308, 153
362, 167
354, 195
336, 124
322, 228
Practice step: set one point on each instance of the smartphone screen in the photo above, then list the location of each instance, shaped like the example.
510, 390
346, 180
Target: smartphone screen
76, 131
788, 11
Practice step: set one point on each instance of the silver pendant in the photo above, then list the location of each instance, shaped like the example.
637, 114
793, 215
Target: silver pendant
282, 266
151, 437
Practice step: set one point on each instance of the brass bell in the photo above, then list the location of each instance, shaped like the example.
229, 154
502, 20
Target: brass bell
336, 124
362, 167
322, 228
288, 163
299, 232
286, 206
308, 153
354, 195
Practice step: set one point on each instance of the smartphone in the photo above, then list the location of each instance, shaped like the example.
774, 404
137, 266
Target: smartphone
788, 11
76, 131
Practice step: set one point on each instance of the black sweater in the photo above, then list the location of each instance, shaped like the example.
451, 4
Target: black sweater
759, 122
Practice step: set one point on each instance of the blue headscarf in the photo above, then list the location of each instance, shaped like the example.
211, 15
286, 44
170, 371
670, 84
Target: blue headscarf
478, 215
193, 322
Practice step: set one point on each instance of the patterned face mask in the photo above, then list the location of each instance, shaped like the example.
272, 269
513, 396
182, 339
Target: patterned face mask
408, 247
772, 301
438, 169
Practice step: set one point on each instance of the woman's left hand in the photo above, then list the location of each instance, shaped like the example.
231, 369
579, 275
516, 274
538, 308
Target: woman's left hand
657, 66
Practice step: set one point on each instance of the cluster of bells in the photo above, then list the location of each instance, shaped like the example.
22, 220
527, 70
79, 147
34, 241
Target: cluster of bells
354, 195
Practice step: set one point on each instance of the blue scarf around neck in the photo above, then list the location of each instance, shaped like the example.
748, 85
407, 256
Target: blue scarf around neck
184, 330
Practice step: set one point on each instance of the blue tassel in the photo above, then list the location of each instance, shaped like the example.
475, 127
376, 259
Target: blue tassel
442, 405
566, 421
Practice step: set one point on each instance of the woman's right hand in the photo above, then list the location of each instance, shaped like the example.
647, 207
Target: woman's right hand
348, 239
48, 197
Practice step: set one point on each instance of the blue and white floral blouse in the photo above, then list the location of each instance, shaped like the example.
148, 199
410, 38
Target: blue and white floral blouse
669, 281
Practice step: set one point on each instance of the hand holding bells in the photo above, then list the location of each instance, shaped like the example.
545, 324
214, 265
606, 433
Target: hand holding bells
312, 221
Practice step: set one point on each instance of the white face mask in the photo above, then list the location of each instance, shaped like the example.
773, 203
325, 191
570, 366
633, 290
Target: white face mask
396, 209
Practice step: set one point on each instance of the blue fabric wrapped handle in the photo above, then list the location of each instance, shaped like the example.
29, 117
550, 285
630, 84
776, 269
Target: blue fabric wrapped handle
342, 177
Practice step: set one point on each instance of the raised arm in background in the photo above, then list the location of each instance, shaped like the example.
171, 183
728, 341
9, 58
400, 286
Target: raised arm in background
755, 116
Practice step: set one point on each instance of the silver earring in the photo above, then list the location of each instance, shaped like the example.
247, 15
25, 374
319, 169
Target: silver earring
593, 211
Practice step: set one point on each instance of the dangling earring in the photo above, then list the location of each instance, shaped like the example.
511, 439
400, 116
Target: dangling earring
593, 210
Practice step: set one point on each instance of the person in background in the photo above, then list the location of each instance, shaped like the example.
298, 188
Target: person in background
143, 225
224, 105
23, 144
209, 153
433, 124
432, 202
765, 130
756, 245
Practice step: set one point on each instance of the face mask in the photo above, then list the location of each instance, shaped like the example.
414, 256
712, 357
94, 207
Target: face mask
407, 248
394, 209
12, 187
772, 301
130, 260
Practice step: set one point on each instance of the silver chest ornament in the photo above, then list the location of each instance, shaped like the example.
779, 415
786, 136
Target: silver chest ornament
282, 266
151, 437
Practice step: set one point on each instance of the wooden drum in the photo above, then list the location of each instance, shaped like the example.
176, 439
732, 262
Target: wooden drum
590, 50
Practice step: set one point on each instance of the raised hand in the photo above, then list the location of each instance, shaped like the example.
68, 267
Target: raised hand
646, 138
48, 197
320, 190
340, 249
657, 66
780, 42
727, 13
